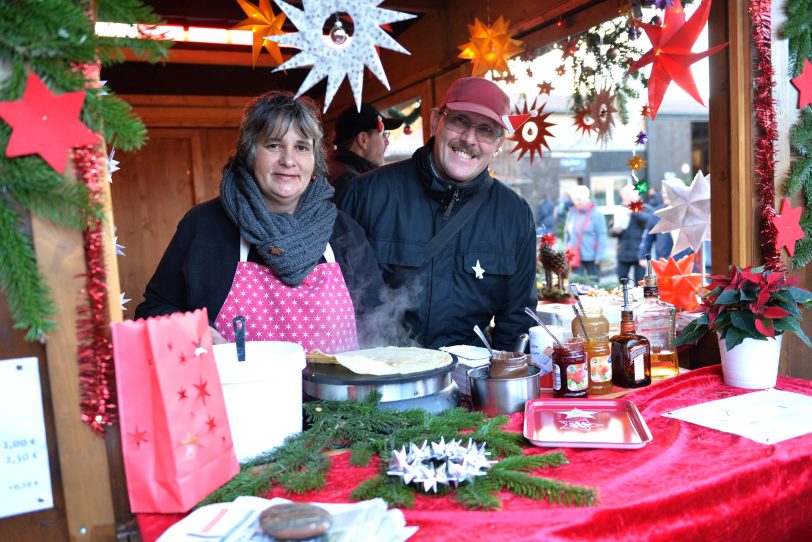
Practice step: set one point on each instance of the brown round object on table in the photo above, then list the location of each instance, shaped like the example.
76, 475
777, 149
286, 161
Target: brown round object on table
508, 365
295, 521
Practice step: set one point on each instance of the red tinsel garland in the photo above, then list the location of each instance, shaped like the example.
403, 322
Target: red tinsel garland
95, 356
764, 106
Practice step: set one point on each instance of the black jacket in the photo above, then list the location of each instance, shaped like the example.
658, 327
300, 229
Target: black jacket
343, 166
628, 243
198, 266
403, 205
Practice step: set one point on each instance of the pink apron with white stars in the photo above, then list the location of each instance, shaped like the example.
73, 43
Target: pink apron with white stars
316, 314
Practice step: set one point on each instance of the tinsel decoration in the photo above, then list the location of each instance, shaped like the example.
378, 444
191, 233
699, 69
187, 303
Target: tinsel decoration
764, 106
95, 356
447, 464
602, 110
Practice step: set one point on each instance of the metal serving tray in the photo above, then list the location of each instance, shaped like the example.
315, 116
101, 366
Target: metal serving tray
585, 423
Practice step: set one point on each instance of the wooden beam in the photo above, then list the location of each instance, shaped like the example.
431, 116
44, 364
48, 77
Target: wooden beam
174, 111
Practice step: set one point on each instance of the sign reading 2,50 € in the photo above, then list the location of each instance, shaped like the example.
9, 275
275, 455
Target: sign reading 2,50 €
25, 475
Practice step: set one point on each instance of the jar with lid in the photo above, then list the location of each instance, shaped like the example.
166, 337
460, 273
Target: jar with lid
594, 321
598, 350
570, 373
508, 365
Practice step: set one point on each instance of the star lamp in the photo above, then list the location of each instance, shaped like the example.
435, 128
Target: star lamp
262, 22
490, 47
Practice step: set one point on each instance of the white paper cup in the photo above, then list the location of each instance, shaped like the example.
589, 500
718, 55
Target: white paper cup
539, 341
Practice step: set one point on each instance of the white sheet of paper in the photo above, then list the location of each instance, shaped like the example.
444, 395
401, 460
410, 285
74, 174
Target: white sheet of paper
767, 417
25, 474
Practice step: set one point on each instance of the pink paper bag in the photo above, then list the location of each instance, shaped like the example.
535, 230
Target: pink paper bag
175, 437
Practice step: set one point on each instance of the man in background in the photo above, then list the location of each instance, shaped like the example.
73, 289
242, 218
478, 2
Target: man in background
361, 138
460, 244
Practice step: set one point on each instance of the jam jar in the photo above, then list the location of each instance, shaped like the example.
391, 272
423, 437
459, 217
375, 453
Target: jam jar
570, 371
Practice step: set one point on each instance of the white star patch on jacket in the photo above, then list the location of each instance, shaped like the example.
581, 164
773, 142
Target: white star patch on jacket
480, 273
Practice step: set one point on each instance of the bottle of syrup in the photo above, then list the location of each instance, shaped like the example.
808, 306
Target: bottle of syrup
597, 348
631, 361
655, 320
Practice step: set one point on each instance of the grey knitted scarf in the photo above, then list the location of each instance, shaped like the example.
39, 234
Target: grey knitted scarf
291, 245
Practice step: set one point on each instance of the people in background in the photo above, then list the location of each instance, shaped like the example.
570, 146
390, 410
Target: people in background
629, 228
272, 247
443, 229
361, 139
544, 215
584, 233
657, 244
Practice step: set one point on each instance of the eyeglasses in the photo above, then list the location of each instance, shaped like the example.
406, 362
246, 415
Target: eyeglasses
459, 123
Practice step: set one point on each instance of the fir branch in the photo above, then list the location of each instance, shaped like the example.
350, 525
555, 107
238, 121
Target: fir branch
553, 491
361, 454
393, 491
479, 494
116, 121
798, 30
800, 177
800, 136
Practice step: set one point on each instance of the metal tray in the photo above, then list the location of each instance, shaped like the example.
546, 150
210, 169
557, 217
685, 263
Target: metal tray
585, 423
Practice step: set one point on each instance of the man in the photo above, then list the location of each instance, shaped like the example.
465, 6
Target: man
487, 268
629, 228
361, 138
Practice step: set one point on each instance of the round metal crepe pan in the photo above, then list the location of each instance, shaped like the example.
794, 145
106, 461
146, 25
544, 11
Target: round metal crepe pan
329, 373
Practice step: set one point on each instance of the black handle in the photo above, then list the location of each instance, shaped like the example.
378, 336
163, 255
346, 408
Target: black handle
239, 336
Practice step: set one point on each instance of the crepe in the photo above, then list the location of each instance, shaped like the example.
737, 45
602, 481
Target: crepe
393, 360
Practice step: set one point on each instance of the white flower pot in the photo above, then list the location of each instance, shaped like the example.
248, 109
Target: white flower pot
752, 364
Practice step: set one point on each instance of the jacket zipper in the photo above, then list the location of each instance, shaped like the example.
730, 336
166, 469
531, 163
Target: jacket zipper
454, 198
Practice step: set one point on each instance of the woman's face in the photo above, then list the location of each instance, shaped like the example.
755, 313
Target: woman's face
283, 168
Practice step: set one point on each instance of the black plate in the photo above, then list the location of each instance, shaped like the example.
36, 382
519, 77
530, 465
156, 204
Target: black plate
329, 373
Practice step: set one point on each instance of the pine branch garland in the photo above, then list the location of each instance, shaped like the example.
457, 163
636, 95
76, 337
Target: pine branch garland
798, 30
300, 464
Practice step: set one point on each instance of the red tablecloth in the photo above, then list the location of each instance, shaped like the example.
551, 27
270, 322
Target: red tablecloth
689, 483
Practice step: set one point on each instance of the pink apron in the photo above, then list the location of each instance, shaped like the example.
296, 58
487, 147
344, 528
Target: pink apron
316, 314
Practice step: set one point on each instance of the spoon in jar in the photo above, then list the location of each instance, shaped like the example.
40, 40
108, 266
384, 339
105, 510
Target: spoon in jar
483, 339
581, 322
530, 312
574, 291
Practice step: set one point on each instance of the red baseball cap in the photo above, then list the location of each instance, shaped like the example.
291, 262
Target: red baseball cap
479, 95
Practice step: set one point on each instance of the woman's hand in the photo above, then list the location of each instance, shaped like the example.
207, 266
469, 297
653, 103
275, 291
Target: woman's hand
216, 338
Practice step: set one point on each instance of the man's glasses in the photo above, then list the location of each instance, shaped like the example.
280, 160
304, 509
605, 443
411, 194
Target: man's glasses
459, 123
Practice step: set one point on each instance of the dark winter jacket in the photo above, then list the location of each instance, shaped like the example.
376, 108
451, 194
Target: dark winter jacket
343, 166
628, 243
198, 266
661, 243
402, 206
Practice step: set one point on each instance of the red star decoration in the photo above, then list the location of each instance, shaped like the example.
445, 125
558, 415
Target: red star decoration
169, 346
636, 206
211, 423
645, 111
678, 284
202, 392
569, 47
804, 85
548, 239
46, 124
670, 54
788, 226
581, 124
561, 70
138, 436
533, 134
545, 87
182, 395
182, 358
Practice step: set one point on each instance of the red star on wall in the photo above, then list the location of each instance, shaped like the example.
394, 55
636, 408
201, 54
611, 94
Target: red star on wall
202, 392
804, 85
788, 226
46, 124
670, 55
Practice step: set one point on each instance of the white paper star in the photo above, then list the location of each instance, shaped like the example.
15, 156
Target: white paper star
112, 165
119, 248
578, 413
478, 271
123, 301
689, 212
336, 60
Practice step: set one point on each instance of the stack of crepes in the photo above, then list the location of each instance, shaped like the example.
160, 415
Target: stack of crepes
678, 284
385, 360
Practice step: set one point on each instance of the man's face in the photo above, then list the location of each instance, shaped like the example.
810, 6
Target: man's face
464, 143
376, 146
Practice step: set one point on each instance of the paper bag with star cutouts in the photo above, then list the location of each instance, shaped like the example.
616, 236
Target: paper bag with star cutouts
175, 437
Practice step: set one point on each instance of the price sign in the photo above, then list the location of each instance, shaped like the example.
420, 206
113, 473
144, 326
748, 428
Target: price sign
25, 474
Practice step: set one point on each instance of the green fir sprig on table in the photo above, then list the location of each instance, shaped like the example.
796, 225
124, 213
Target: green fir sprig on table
300, 464
798, 30
51, 38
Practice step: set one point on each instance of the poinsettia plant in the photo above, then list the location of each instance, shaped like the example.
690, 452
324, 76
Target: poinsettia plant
752, 302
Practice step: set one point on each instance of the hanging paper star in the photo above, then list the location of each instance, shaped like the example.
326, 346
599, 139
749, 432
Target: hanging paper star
569, 47
642, 138
636, 163
788, 226
119, 248
645, 111
112, 165
490, 47
561, 70
677, 282
641, 186
510, 79
533, 133
583, 122
545, 87
335, 60
529, 73
262, 22
123, 300
804, 85
670, 54
689, 212
46, 124
663, 4
636, 206
602, 111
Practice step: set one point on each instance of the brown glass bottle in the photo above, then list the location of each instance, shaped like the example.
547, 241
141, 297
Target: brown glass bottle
631, 361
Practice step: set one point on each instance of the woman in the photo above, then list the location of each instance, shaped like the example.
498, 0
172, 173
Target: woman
584, 233
272, 248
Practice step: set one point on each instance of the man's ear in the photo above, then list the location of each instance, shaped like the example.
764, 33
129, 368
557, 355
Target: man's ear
362, 140
435, 119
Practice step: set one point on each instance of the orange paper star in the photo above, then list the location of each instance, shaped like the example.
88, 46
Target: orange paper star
788, 226
636, 163
490, 47
670, 54
677, 283
533, 133
804, 85
262, 22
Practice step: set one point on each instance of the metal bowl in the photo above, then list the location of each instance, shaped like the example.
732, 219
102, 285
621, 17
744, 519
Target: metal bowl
495, 396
